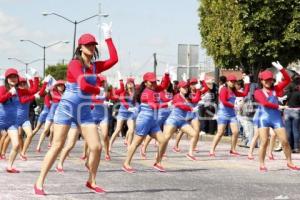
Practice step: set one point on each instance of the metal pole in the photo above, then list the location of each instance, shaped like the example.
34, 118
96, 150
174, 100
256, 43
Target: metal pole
44, 58
74, 41
155, 63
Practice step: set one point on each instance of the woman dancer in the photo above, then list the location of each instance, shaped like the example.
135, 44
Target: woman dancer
146, 122
270, 116
226, 113
75, 106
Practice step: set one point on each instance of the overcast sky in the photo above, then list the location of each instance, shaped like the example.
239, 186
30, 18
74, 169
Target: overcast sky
140, 28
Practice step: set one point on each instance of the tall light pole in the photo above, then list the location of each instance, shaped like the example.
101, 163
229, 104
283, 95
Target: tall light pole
44, 47
25, 63
75, 22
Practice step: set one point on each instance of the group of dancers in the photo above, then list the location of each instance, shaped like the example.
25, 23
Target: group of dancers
79, 105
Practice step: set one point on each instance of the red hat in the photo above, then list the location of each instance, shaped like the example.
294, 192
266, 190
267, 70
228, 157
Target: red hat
231, 78
182, 84
130, 80
22, 79
265, 75
87, 39
193, 81
11, 71
59, 82
149, 76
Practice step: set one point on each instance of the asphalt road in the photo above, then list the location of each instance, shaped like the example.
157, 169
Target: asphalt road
222, 177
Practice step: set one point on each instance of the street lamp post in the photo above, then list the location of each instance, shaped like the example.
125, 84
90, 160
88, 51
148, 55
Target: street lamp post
44, 47
25, 63
75, 22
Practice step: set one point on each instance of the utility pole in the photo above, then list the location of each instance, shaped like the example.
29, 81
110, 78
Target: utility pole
155, 63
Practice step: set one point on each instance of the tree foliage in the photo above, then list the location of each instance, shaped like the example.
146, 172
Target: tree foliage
58, 71
250, 33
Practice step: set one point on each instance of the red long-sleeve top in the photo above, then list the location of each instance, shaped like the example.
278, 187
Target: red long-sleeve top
29, 98
225, 94
56, 95
123, 95
261, 98
181, 102
4, 94
75, 72
33, 88
47, 101
165, 98
151, 97
196, 96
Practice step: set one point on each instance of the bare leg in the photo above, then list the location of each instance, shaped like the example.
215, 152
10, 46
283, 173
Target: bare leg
14, 137
137, 140
263, 136
217, 138
71, 141
116, 132
59, 138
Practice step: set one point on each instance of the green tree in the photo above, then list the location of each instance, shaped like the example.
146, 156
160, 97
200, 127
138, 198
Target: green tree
250, 33
58, 71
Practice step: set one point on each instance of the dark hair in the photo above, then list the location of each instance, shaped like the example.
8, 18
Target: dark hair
141, 90
240, 82
170, 88
7, 86
223, 80
77, 54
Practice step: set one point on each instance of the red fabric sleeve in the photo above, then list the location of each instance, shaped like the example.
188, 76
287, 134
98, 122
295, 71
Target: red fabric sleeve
164, 84
179, 102
47, 101
113, 58
122, 88
197, 97
75, 73
224, 96
163, 98
26, 99
286, 80
56, 96
113, 96
4, 94
205, 87
261, 98
34, 87
42, 90
244, 93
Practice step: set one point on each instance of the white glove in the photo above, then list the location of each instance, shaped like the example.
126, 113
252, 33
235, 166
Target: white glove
13, 91
34, 72
132, 109
198, 86
28, 77
101, 94
119, 75
246, 79
47, 79
282, 107
170, 104
47, 89
167, 70
106, 28
37, 96
195, 109
184, 77
277, 65
202, 76
108, 103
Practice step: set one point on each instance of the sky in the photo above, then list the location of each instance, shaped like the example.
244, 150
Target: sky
139, 28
